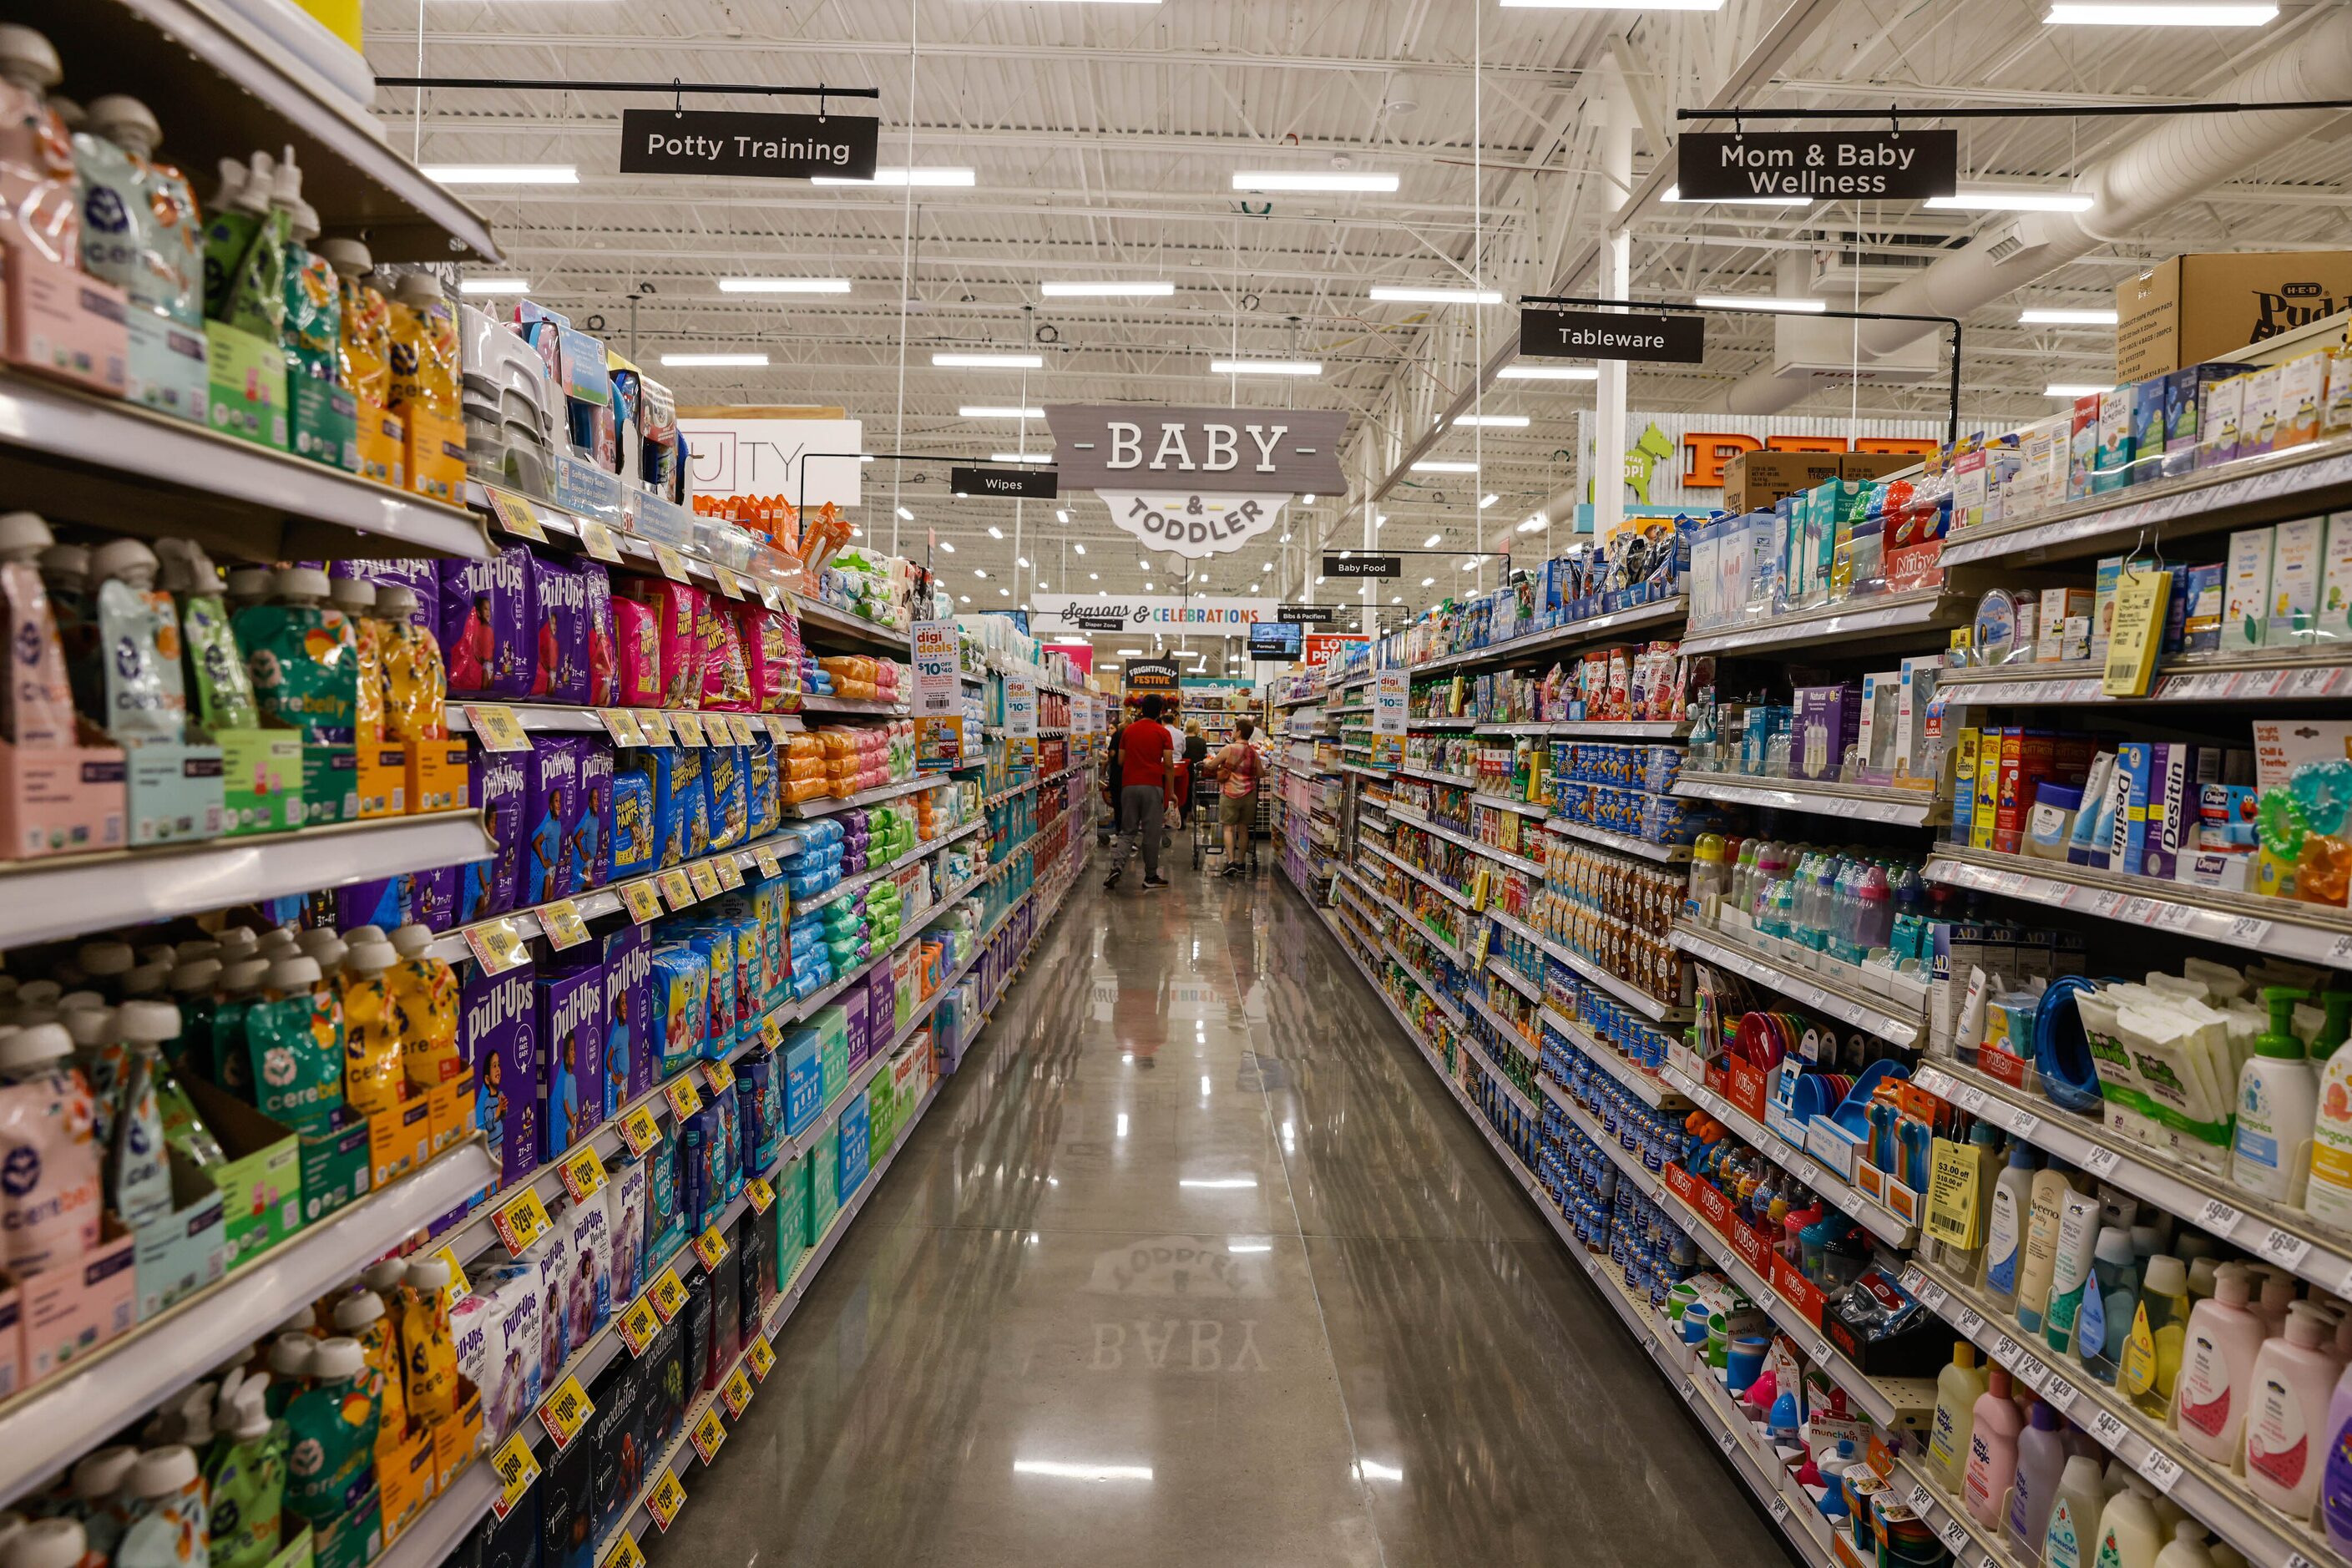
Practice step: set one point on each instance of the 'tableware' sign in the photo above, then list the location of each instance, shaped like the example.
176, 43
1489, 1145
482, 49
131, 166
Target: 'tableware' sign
1819, 166
746, 145
1248, 451
1655, 339
1226, 618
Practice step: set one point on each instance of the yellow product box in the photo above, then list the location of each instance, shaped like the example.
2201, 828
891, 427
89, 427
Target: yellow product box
450, 1111
408, 1473
382, 776
383, 444
456, 1439
436, 456
401, 1139
436, 774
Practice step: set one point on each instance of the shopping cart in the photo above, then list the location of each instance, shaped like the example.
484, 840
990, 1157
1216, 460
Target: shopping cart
1208, 837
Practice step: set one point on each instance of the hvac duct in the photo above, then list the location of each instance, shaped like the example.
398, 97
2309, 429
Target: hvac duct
2182, 155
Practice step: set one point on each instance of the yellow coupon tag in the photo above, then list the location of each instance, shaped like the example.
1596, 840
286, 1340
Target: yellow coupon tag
600, 541
772, 596
708, 1434
763, 1356
730, 875
621, 725
687, 727
667, 1497
654, 724
739, 725
497, 727
640, 1130
639, 1324
684, 1099
677, 888
521, 1221
625, 1552
771, 1032
643, 898
516, 1467
498, 945
728, 583
719, 1076
565, 1412
735, 1393
703, 879
560, 922
711, 1248
582, 1172
766, 858
778, 725
516, 515
667, 1293
673, 564
760, 1193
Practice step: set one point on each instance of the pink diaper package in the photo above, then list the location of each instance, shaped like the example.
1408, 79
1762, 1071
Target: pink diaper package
636, 654
724, 684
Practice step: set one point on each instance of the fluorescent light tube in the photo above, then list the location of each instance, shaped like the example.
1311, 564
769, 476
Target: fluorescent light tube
905, 515
1410, 294
1495, 421
478, 286
1548, 373
987, 411
1486, 501
2116, 16
1265, 367
948, 545
2060, 318
988, 362
1675, 193
2076, 389
1221, 1183
1610, 6
939, 176
1775, 303
1426, 582
688, 362
1103, 290
501, 173
1437, 466
1284, 180
1021, 456
1995, 200
783, 285
1431, 543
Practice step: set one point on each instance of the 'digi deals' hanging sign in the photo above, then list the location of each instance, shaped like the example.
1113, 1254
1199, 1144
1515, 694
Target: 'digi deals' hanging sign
1193, 525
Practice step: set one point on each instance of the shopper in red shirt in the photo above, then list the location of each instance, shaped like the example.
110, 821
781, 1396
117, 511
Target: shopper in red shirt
1144, 756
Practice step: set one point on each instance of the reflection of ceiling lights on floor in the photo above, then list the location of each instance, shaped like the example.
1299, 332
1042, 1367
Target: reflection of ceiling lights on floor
1219, 1183
1069, 1472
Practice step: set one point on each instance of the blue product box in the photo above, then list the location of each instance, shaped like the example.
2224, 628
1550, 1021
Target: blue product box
2136, 773
571, 1028
2169, 809
855, 1141
804, 1080
2147, 427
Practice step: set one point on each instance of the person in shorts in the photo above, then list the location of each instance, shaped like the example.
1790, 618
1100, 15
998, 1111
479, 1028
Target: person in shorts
1145, 760
1239, 769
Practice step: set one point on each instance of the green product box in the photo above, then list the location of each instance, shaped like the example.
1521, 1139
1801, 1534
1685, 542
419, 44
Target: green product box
832, 1027
331, 785
336, 1172
248, 387
261, 1185
824, 1193
184, 1248
326, 424
261, 779
791, 1217
354, 1540
295, 1554
881, 1118
172, 792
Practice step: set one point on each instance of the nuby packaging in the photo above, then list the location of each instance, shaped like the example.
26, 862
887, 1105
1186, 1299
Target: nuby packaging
294, 1048
498, 1334
169, 1525
36, 706
487, 886
559, 670
631, 1049
624, 1204
636, 653
140, 232
588, 1283
603, 672
50, 1208
489, 629
591, 844
138, 639
424, 997
302, 655
570, 1003
550, 807
497, 1036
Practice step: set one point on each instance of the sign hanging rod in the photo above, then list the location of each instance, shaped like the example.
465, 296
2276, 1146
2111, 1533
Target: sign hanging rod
675, 88
2015, 112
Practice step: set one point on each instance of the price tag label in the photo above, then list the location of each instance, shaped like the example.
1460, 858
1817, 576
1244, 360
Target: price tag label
1935, 1081
735, 1393
2060, 1394
677, 888
779, 726
654, 725
565, 1412
1956, 1536
2138, 912
667, 1293
2175, 917
708, 1434
516, 515
516, 1467
2218, 1217
639, 1324
703, 879
582, 1172
2031, 1372
562, 923
673, 564
669, 1496
1912, 1281
1820, 1351
643, 899
498, 728
760, 1193
640, 1129
497, 945
728, 583
2107, 1428
2281, 1248
2005, 1349
2105, 905
1779, 1511
689, 729
684, 1099
2103, 1161
625, 1552
1967, 1097
719, 1076
2022, 1122
460, 1287
2248, 929
766, 858
520, 1221
1970, 1321
763, 1357
710, 1246
730, 875
1920, 1499
771, 1032
2161, 1470
621, 725
1725, 1441
599, 541
2309, 683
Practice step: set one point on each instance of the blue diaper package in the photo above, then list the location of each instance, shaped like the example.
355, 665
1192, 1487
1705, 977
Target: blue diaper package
718, 950
760, 783
551, 807
664, 1226
804, 1079
632, 838
730, 816
678, 1004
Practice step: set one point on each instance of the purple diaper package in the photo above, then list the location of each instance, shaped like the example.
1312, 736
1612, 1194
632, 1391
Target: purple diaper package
881, 1009
378, 901
433, 897
487, 888
571, 1054
496, 1024
559, 666
631, 1054
604, 659
854, 1006
550, 809
422, 578
489, 625
591, 844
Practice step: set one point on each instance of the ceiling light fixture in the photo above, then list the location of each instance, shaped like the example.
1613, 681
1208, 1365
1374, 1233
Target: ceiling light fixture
1494, 421
1079, 548
979, 570
906, 515
1675, 193
1021, 561
1004, 592
994, 532
1548, 373
1020, 457
1442, 466
1777, 304
1265, 367
478, 286
1486, 501
1308, 499
1105, 290
990, 411
1061, 516
948, 545
1407, 294
1426, 582
953, 361
1287, 180
783, 285
1532, 524
1993, 199
2075, 389
1431, 543
937, 176
2054, 316
502, 173
1609, 6
2095, 15
690, 362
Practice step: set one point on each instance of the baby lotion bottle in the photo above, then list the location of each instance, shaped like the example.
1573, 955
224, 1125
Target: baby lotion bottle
2335, 1466
2293, 1378
2103, 1328
1992, 1452
2151, 1361
2040, 1460
2186, 1548
2052, 1185
2070, 1277
1957, 1388
2130, 1535
2278, 1101
2217, 1363
2074, 1518
2013, 1202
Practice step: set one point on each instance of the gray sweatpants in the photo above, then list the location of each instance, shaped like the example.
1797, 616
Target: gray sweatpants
1139, 809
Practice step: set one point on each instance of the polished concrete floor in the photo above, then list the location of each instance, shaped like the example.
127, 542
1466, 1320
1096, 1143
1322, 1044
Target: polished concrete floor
1196, 1262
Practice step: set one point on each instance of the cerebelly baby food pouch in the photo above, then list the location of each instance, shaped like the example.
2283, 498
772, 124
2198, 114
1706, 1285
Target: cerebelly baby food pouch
432, 1357
49, 1206
421, 992
139, 634
373, 1071
294, 1043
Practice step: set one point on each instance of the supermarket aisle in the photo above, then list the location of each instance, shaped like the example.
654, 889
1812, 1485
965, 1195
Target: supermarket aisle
1195, 1261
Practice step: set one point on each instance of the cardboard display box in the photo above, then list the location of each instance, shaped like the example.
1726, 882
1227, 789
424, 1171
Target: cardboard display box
1752, 481
2195, 308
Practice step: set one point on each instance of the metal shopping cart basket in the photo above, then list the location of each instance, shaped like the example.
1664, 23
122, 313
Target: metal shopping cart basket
1208, 839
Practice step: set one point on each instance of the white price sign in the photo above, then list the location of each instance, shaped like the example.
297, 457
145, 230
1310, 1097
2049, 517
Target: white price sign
2102, 1161
2282, 1249
2060, 1394
1020, 708
937, 689
2218, 1217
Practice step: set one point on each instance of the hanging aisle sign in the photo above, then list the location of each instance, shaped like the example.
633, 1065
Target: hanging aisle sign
1160, 613
1014, 484
1821, 165
748, 144
1661, 338
1391, 693
1193, 525
1197, 481
938, 706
